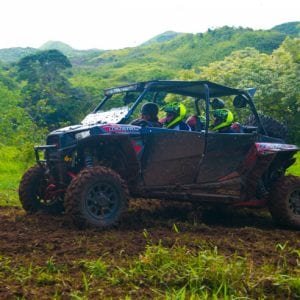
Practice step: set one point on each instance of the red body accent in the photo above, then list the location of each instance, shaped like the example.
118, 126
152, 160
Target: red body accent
136, 146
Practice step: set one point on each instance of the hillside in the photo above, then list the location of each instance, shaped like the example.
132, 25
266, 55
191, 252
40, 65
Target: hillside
163, 37
181, 50
290, 28
158, 59
76, 56
60, 46
11, 55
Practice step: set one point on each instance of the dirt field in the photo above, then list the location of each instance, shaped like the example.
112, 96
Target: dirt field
41, 241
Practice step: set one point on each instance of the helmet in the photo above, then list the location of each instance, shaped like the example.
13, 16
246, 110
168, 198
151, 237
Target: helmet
176, 109
150, 109
223, 118
172, 108
217, 103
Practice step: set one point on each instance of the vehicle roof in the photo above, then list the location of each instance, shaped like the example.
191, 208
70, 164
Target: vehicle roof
186, 88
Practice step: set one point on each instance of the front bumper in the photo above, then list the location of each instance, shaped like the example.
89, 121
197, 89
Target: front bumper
58, 162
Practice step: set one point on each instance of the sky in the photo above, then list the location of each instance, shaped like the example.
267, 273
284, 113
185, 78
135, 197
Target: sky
115, 24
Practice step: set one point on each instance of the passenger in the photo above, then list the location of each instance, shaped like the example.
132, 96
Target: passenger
175, 113
223, 118
148, 117
196, 123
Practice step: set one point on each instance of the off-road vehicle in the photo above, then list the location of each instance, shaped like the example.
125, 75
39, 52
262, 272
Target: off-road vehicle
91, 170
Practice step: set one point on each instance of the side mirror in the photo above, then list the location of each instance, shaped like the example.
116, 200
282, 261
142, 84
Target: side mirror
240, 101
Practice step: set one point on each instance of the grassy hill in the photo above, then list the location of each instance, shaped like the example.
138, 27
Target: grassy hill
163, 37
290, 28
183, 50
164, 56
77, 57
10, 55
180, 50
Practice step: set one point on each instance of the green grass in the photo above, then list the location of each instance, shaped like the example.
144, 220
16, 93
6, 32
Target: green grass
161, 273
13, 163
295, 168
179, 270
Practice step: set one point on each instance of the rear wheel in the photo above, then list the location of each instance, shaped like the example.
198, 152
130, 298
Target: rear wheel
34, 192
97, 197
284, 202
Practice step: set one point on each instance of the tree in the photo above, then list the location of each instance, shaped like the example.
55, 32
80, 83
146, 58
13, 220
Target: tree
49, 97
43, 67
16, 127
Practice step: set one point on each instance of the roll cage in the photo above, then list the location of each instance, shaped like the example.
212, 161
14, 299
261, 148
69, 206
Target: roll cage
199, 90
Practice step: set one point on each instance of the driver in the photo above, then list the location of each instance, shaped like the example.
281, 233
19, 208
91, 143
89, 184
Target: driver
175, 113
148, 117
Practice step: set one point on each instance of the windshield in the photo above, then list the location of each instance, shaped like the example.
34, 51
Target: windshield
112, 109
114, 115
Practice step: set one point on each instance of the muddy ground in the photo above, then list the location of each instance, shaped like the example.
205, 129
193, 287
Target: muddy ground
33, 239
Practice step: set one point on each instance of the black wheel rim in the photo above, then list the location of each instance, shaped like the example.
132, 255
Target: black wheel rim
102, 201
294, 202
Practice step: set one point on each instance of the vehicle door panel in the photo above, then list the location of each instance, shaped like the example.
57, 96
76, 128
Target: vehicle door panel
224, 154
172, 157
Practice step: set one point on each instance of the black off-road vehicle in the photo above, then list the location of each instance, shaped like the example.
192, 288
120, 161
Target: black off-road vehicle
91, 170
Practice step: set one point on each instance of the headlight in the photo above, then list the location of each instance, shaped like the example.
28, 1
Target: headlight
83, 134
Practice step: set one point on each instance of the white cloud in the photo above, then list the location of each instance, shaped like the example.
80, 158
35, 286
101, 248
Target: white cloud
116, 24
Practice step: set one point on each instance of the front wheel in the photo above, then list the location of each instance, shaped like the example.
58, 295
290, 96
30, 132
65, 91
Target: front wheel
284, 202
96, 197
34, 193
